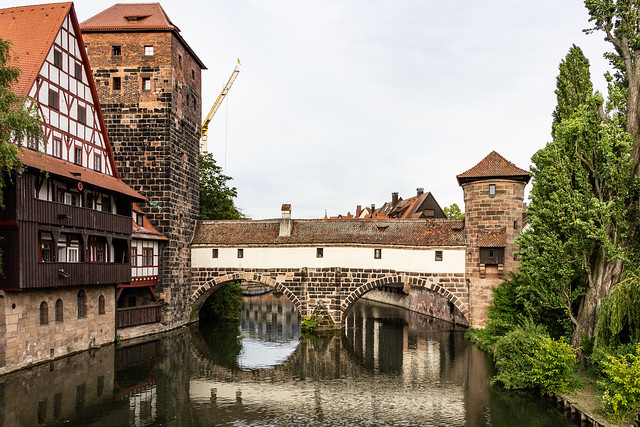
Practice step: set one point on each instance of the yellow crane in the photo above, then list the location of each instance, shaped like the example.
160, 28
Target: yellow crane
216, 105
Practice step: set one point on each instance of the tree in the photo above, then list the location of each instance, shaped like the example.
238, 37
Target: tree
453, 211
18, 121
216, 198
580, 210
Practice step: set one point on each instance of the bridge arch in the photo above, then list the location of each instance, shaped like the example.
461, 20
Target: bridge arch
406, 281
204, 291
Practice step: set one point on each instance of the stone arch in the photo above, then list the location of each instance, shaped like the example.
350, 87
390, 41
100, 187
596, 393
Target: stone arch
207, 288
406, 280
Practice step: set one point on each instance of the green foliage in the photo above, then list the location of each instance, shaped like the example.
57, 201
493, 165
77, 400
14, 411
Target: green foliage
621, 385
619, 314
526, 358
18, 121
216, 197
310, 323
225, 303
453, 211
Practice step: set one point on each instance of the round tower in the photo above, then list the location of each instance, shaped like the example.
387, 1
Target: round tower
493, 199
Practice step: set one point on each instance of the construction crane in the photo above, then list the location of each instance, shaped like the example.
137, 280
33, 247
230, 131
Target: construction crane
216, 105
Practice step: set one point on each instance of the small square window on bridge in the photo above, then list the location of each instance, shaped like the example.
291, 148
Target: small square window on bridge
438, 255
214, 253
319, 252
240, 253
377, 253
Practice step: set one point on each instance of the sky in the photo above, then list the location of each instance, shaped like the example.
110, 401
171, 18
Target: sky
342, 102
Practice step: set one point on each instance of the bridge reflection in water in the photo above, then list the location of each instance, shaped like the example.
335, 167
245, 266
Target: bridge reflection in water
388, 367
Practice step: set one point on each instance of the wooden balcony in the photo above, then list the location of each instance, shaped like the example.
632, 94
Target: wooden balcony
53, 274
134, 316
45, 212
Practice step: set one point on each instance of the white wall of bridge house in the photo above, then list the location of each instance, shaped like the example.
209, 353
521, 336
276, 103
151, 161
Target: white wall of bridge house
413, 259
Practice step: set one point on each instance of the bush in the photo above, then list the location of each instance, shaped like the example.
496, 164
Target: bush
310, 323
526, 358
621, 385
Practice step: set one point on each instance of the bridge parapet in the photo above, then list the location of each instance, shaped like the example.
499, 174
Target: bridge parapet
334, 289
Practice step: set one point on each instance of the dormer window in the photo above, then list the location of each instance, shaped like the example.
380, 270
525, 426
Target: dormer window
139, 219
134, 18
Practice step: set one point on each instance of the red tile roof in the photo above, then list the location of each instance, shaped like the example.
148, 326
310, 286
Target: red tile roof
492, 238
147, 231
494, 166
423, 232
135, 17
68, 170
31, 30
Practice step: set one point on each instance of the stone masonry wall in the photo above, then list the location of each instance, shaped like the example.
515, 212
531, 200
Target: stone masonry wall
29, 342
155, 138
490, 212
334, 289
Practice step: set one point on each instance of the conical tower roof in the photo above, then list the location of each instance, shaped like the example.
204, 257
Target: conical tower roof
494, 166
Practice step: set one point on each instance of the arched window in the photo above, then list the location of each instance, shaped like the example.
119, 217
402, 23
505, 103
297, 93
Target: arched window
44, 313
82, 312
59, 311
101, 305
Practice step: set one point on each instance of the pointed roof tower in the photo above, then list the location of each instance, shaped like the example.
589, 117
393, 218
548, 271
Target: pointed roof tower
494, 166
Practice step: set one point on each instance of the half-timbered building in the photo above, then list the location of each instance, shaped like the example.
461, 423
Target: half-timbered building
66, 227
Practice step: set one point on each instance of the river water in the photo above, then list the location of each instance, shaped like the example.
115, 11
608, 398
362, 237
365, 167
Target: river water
388, 367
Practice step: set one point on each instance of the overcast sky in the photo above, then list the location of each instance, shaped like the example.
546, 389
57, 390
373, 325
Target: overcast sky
340, 102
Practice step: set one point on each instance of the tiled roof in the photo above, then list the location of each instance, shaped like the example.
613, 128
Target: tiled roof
135, 17
68, 170
431, 232
31, 30
130, 17
492, 238
147, 231
494, 166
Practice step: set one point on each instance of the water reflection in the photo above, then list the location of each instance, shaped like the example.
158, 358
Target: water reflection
388, 367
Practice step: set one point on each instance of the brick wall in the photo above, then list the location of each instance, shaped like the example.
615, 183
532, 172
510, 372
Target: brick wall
155, 138
504, 209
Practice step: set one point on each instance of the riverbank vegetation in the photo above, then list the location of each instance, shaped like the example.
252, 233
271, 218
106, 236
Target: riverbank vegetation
576, 294
223, 304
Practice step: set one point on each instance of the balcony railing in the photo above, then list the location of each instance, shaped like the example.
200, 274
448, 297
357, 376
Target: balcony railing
48, 274
140, 315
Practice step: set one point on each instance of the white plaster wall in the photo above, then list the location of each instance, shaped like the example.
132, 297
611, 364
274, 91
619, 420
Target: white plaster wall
420, 260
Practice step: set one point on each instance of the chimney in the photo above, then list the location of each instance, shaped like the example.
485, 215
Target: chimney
358, 211
373, 207
394, 199
285, 222
419, 191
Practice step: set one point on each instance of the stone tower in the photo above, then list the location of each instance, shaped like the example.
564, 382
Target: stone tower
493, 198
149, 86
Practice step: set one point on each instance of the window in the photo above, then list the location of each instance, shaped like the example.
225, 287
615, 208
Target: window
515, 225
97, 163
100, 252
491, 254
146, 83
82, 309
134, 257
148, 51
59, 311
54, 99
45, 251
180, 61
147, 257
57, 58
139, 219
44, 313
193, 74
78, 71
101, 305
240, 253
214, 253
438, 255
492, 189
68, 198
377, 253
117, 83
77, 156
72, 254
82, 115
57, 148
106, 203
319, 252
116, 50
32, 142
